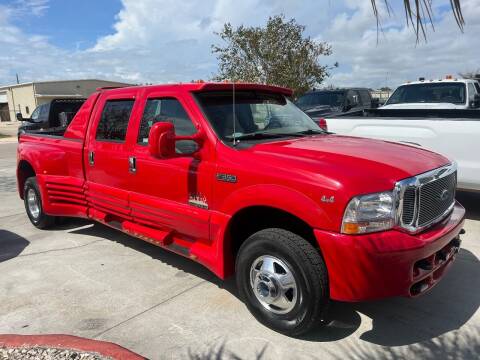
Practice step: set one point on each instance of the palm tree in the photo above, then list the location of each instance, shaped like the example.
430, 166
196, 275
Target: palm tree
419, 13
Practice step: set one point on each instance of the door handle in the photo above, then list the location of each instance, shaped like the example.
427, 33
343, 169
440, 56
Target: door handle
132, 164
91, 158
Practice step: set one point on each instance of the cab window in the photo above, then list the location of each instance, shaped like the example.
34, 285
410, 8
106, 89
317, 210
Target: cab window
114, 121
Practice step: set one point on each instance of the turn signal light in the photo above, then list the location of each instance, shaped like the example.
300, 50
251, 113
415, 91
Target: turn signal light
351, 228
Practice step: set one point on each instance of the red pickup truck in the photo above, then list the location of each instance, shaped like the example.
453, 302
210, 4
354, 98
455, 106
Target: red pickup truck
236, 177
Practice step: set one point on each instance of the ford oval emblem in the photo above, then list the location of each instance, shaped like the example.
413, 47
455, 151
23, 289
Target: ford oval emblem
444, 195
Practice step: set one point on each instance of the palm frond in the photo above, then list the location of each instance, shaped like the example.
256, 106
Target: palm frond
419, 15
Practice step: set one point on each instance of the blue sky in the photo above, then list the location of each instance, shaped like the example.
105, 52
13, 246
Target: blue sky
157, 41
70, 24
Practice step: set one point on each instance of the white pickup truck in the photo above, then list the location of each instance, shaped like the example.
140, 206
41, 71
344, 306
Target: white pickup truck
446, 93
449, 131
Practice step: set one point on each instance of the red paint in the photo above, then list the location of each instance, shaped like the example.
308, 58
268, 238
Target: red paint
291, 175
104, 348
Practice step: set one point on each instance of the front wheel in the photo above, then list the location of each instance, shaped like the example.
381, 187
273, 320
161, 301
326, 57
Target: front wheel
283, 280
33, 205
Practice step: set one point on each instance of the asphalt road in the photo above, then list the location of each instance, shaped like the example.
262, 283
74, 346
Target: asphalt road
88, 280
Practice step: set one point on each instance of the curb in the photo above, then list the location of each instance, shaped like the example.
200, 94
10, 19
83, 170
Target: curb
104, 348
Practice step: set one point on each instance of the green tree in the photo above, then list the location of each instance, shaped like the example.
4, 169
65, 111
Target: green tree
277, 54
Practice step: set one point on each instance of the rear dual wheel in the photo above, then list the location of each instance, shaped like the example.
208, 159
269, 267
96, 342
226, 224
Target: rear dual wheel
283, 280
33, 205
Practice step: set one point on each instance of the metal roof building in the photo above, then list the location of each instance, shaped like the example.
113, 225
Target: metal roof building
24, 98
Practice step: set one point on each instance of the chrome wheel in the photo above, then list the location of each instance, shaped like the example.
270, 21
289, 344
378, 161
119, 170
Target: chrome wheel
273, 284
33, 203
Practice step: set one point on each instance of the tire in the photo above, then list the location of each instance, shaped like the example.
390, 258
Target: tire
36, 214
267, 259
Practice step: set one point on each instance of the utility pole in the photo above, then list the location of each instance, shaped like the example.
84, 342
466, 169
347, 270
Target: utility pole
18, 81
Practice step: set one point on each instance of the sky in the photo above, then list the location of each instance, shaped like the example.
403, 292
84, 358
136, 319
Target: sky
160, 41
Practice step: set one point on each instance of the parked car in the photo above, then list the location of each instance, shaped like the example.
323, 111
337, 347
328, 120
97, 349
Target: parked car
324, 103
451, 132
446, 93
56, 114
240, 180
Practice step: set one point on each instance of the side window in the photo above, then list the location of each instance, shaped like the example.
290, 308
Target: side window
168, 110
43, 116
114, 121
471, 92
365, 97
477, 86
35, 114
353, 98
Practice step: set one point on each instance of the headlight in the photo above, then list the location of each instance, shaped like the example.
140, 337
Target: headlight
369, 213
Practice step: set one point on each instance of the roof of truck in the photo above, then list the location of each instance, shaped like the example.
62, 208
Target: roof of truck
447, 80
209, 86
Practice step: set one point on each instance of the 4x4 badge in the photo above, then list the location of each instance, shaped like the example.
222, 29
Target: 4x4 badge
327, 199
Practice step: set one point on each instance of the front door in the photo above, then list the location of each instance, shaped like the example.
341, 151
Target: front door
106, 158
172, 194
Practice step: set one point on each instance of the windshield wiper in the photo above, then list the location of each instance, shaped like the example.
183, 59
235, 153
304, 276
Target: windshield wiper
259, 136
271, 135
312, 132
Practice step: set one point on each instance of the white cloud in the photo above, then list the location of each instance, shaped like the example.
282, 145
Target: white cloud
169, 40
396, 57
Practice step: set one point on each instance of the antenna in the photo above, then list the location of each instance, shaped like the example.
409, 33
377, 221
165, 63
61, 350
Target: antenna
234, 115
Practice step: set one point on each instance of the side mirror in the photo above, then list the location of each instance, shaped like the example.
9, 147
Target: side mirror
19, 117
162, 139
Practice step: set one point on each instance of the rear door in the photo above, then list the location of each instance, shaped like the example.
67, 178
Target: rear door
106, 156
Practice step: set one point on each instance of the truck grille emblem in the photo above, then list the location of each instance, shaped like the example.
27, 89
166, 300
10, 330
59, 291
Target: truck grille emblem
444, 195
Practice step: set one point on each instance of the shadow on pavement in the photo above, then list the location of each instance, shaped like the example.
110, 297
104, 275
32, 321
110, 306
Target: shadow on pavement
396, 322
471, 203
11, 245
463, 345
155, 252
402, 321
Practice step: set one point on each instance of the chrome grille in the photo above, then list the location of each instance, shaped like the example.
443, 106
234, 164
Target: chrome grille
426, 198
436, 197
409, 205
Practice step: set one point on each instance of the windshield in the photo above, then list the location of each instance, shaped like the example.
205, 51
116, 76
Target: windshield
256, 113
453, 93
330, 98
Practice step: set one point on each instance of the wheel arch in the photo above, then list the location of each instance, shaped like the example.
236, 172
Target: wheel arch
24, 171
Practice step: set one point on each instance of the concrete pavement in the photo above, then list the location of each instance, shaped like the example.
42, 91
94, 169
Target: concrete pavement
87, 280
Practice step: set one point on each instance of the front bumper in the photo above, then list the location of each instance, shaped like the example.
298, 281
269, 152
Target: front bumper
390, 263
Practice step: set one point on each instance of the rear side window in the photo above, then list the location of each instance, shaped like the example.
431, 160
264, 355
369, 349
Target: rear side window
168, 110
114, 121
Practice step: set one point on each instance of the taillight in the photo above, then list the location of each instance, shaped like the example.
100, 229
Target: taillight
322, 123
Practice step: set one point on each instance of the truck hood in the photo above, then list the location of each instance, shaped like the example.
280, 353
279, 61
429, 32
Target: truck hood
424, 106
376, 164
